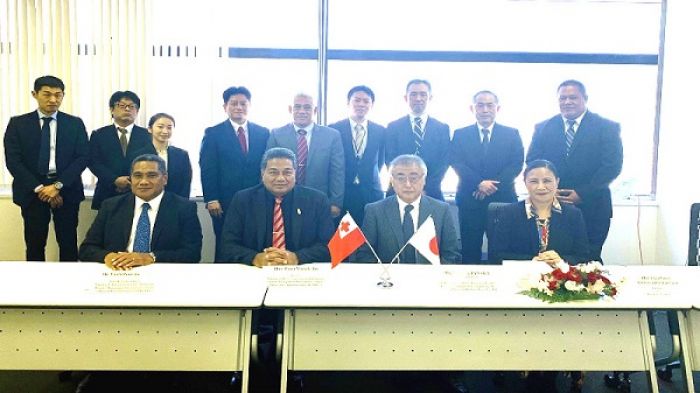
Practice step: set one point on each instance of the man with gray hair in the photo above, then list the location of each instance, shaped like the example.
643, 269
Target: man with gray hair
319, 151
391, 222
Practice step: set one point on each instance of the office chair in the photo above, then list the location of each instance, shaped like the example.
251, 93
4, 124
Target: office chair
492, 216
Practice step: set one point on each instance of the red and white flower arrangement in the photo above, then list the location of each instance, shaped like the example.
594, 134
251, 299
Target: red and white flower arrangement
586, 281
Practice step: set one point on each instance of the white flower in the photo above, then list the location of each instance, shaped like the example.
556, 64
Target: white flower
563, 266
590, 267
573, 286
596, 288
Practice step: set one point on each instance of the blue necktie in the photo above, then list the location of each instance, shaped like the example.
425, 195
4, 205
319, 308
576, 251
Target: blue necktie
142, 240
43, 162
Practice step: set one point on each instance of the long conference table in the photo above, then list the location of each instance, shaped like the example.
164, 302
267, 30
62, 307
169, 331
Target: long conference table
82, 316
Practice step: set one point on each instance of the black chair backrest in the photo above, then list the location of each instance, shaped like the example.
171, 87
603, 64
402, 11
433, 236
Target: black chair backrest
694, 239
492, 217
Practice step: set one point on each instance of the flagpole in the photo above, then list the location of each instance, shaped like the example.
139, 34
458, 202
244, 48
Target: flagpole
409, 240
372, 249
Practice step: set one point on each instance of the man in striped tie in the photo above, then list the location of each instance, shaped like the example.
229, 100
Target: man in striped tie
277, 222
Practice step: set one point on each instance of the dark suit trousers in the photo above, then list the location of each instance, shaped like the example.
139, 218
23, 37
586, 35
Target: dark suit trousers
36, 216
472, 224
597, 228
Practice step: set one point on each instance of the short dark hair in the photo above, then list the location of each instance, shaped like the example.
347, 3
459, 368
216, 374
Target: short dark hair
361, 88
419, 81
576, 84
478, 93
278, 152
48, 81
157, 116
233, 90
130, 95
162, 166
540, 164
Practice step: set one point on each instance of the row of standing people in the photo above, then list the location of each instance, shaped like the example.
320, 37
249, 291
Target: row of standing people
343, 161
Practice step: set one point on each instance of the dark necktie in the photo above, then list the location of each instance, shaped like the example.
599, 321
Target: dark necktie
302, 156
242, 140
409, 253
122, 140
485, 142
418, 134
142, 239
570, 133
278, 240
44, 149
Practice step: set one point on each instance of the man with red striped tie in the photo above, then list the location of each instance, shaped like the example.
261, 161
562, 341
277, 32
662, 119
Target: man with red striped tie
277, 222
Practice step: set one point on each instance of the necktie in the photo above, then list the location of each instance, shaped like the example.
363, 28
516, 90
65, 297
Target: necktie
570, 133
359, 140
409, 253
418, 134
142, 239
44, 149
122, 140
242, 140
485, 142
278, 225
302, 155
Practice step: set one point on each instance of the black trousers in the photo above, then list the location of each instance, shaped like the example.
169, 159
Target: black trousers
597, 228
472, 225
36, 216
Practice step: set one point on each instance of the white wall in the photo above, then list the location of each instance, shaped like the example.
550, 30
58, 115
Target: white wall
678, 180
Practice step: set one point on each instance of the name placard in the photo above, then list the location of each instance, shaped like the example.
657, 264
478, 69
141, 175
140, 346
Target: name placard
477, 280
122, 282
296, 276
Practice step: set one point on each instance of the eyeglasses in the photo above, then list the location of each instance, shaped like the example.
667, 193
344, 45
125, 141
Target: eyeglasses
126, 106
306, 107
412, 179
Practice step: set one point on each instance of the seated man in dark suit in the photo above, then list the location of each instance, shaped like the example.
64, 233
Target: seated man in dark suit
277, 222
145, 226
391, 222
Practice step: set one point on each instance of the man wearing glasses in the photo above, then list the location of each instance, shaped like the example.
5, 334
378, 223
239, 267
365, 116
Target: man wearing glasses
111, 145
391, 222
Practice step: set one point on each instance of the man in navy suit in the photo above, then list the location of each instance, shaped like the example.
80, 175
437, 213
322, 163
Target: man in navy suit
46, 152
422, 135
173, 231
587, 150
487, 157
391, 222
318, 150
363, 148
229, 158
277, 222
110, 147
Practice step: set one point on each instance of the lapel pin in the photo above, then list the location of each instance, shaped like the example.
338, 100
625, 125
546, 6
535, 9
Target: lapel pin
298, 211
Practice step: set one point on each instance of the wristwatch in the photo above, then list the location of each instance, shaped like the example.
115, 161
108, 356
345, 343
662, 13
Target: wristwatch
153, 256
58, 185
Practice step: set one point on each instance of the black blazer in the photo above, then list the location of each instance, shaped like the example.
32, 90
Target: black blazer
107, 161
248, 225
177, 235
22, 143
516, 237
224, 168
436, 144
179, 169
503, 161
595, 159
366, 168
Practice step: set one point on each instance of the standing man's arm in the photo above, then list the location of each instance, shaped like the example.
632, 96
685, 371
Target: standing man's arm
209, 171
96, 163
457, 157
13, 158
336, 175
536, 149
514, 160
611, 157
438, 167
73, 172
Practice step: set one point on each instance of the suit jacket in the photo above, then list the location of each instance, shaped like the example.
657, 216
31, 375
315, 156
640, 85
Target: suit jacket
382, 228
325, 166
179, 169
516, 237
107, 161
248, 225
365, 169
177, 235
595, 159
22, 145
503, 161
224, 168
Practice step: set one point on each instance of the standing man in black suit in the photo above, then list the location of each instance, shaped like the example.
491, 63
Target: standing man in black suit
229, 158
363, 147
587, 150
487, 157
277, 222
46, 151
145, 226
419, 134
111, 145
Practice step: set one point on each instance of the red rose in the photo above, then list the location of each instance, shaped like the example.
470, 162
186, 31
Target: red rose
558, 274
552, 285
